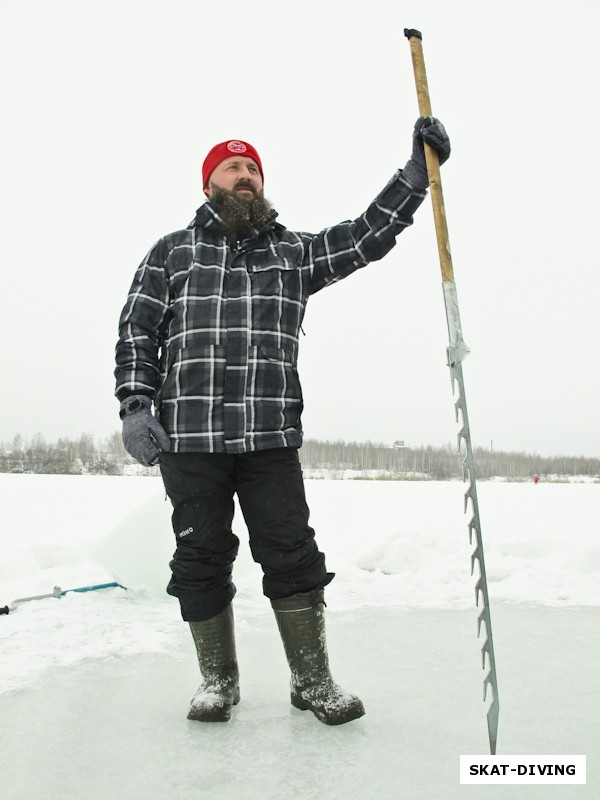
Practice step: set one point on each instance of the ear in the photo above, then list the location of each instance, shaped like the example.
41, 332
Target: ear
207, 191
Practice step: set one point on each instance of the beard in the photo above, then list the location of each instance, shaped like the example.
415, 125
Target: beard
239, 215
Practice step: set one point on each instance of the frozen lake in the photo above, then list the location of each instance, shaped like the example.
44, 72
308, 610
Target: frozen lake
94, 687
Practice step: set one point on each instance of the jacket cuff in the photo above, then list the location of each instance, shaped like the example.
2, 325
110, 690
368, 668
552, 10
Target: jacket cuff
123, 394
416, 175
133, 404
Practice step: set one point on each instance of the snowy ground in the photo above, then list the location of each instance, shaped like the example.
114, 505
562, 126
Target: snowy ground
94, 687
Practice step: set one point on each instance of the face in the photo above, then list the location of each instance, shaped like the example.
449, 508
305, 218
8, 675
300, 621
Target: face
238, 174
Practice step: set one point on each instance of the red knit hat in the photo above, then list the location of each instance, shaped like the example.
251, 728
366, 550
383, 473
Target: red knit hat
232, 147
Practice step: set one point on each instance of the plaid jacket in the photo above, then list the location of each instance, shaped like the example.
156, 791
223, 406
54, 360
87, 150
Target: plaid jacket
210, 330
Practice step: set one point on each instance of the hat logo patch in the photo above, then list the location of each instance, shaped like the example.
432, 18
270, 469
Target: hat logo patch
236, 147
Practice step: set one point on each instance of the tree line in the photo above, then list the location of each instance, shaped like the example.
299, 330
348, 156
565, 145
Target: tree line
89, 455
439, 463
86, 455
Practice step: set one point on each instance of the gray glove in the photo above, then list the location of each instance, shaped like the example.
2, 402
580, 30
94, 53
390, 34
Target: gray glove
430, 130
143, 435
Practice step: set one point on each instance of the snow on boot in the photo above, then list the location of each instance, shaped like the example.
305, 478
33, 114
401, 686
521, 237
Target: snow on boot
301, 622
219, 691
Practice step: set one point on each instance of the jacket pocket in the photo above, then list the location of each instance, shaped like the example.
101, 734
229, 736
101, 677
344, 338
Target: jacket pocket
276, 279
276, 395
274, 353
195, 371
279, 263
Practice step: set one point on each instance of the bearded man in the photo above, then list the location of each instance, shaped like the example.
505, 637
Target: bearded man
209, 337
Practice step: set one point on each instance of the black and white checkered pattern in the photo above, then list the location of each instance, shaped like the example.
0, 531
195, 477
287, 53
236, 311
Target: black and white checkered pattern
210, 330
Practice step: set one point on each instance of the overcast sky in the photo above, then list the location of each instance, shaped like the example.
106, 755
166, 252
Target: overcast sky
109, 110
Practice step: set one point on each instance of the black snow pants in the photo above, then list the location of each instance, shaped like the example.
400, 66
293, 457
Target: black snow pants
270, 491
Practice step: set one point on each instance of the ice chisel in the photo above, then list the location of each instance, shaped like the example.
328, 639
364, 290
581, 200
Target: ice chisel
58, 592
457, 350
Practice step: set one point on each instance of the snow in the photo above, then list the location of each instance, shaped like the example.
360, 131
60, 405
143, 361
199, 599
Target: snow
94, 687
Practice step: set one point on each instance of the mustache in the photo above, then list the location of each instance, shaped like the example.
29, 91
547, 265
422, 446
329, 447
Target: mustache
244, 184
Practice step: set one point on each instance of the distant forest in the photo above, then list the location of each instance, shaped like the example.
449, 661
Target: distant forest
89, 455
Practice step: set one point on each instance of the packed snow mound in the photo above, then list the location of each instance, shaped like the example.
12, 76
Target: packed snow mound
137, 551
531, 555
408, 553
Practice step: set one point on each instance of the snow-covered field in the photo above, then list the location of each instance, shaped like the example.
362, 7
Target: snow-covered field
94, 687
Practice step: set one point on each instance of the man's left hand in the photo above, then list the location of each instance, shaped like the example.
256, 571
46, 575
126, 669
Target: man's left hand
432, 131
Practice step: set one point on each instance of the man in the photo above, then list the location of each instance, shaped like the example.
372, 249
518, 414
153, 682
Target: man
209, 335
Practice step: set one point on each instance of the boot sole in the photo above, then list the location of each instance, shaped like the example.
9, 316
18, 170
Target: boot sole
355, 711
218, 715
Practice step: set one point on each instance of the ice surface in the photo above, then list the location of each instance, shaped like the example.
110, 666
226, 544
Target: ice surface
94, 688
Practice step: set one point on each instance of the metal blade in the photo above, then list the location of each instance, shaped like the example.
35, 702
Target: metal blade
457, 351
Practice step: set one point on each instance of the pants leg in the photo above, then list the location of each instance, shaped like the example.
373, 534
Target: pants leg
270, 490
201, 487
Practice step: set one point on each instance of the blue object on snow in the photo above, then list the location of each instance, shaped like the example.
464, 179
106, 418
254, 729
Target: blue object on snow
93, 588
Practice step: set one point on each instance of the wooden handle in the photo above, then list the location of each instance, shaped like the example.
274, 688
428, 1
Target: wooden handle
431, 157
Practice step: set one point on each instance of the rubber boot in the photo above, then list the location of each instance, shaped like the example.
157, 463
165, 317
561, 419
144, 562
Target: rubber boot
301, 622
219, 691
